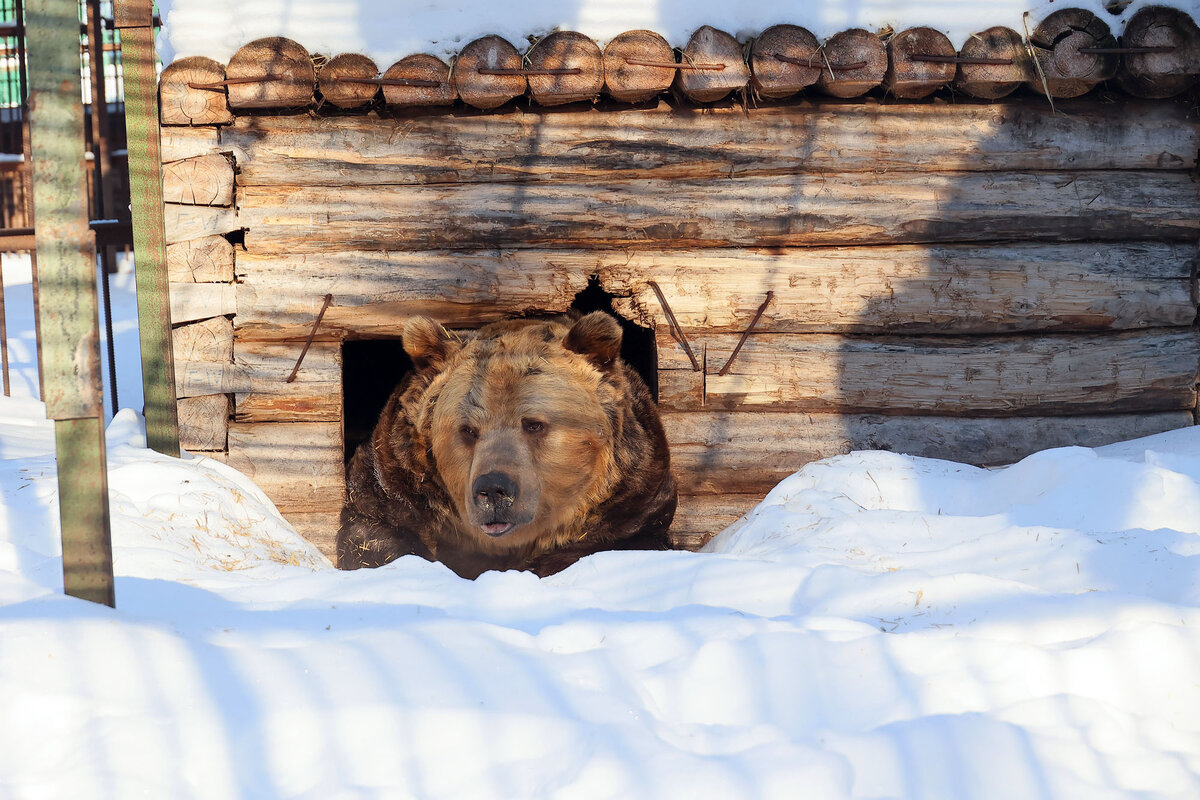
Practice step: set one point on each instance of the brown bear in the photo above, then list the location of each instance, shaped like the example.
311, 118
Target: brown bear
527, 445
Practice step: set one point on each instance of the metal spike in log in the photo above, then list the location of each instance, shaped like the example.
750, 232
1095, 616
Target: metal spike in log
1170, 70
270, 73
430, 82
853, 63
911, 74
784, 59
565, 67
1060, 44
711, 48
182, 104
501, 78
991, 81
343, 80
636, 66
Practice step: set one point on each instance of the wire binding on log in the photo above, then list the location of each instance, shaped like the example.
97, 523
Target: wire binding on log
528, 72
746, 335
800, 62
676, 330
416, 82
311, 335
987, 62
1126, 51
675, 65
235, 82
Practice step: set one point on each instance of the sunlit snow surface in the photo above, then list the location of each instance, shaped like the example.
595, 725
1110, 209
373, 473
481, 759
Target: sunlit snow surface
881, 626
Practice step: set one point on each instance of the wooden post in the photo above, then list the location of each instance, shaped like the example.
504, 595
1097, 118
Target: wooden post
135, 21
67, 277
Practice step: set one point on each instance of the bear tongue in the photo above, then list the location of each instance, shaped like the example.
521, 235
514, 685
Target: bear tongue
496, 528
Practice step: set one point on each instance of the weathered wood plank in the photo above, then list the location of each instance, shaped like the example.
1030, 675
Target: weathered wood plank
740, 451
770, 211
689, 143
700, 517
197, 378
980, 376
314, 396
200, 181
193, 301
299, 465
184, 223
206, 260
258, 373
956, 289
179, 142
204, 422
210, 340
319, 528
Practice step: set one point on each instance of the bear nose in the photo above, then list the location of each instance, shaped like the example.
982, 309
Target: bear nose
495, 491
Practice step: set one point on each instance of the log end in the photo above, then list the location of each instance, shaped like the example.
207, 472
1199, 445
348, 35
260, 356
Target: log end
271, 73
909, 76
476, 73
634, 68
338, 80
574, 68
783, 60
182, 103
993, 81
712, 66
853, 63
1058, 41
1157, 75
431, 82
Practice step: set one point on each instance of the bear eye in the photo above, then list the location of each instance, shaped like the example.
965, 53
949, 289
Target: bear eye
532, 426
469, 433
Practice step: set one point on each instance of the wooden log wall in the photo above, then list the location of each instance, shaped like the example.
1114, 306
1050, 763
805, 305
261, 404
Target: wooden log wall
970, 280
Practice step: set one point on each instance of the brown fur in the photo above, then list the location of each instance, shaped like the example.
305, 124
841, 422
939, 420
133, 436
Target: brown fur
547, 404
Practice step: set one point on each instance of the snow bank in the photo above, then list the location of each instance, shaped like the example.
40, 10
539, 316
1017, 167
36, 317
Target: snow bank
388, 30
881, 626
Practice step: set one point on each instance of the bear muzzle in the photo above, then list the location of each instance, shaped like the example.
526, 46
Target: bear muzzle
495, 494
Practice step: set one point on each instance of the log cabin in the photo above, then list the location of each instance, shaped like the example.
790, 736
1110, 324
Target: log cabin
874, 242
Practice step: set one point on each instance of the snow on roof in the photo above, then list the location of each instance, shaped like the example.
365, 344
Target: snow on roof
388, 30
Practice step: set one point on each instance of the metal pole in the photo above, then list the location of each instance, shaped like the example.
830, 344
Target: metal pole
67, 278
135, 20
102, 190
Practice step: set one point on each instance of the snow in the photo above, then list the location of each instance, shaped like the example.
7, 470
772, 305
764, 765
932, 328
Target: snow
388, 30
881, 626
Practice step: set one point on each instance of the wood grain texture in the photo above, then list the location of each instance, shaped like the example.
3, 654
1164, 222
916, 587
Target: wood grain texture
700, 517
945, 289
185, 223
299, 465
977, 376
180, 104
193, 301
687, 143
744, 451
210, 340
314, 396
199, 181
204, 422
176, 142
761, 211
206, 260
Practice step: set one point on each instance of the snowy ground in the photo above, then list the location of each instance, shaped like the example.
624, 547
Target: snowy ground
880, 627
388, 30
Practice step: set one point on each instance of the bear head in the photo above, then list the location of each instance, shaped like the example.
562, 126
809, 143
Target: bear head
521, 424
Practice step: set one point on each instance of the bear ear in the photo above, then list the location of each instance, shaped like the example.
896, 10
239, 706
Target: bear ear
596, 336
426, 342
